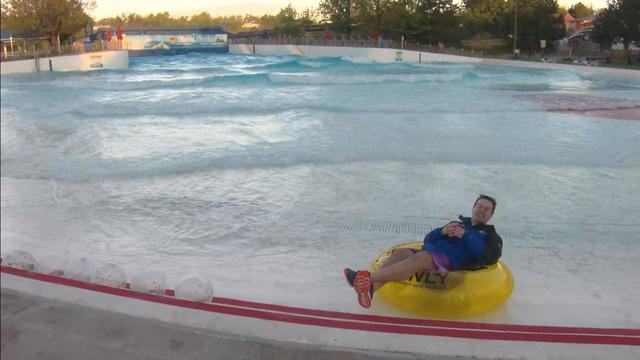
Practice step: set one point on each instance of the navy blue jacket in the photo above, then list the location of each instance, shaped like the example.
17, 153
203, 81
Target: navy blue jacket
463, 253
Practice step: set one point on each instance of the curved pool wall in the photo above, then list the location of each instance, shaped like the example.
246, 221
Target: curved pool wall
99, 60
386, 55
269, 174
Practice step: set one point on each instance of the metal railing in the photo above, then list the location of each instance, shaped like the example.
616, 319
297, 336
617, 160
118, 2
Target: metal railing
562, 52
32, 52
380, 43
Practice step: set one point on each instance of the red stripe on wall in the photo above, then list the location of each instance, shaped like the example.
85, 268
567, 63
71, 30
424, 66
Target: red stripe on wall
363, 322
427, 322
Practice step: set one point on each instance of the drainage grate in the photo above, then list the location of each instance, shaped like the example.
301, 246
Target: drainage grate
364, 225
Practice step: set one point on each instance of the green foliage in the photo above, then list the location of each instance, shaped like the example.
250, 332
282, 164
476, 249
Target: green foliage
288, 24
50, 18
538, 20
425, 21
486, 19
621, 19
580, 10
372, 13
340, 13
308, 16
399, 20
437, 21
204, 19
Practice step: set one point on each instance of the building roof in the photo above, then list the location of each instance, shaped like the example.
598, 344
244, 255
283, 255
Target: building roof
155, 30
4, 34
584, 19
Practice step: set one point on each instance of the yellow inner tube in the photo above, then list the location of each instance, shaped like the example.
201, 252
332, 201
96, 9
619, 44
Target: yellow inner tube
453, 295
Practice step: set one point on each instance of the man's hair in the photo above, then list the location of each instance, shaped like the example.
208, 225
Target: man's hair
490, 199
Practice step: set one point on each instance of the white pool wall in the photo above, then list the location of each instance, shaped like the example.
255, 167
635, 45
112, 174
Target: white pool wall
80, 62
393, 55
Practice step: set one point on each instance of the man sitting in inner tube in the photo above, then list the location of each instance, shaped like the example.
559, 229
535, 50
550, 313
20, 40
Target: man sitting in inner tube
464, 244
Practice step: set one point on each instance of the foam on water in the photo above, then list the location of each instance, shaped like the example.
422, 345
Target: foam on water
268, 175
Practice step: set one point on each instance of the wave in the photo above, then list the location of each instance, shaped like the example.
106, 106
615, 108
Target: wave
358, 64
293, 64
328, 79
146, 84
261, 156
573, 102
242, 79
224, 110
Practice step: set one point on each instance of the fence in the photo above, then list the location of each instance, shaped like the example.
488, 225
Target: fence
16, 51
382, 43
561, 52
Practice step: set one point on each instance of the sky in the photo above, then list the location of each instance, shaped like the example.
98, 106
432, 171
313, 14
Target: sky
109, 8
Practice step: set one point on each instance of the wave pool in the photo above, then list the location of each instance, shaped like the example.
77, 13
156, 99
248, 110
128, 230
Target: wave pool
268, 175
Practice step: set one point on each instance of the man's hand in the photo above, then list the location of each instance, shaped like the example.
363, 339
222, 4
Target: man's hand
458, 231
453, 229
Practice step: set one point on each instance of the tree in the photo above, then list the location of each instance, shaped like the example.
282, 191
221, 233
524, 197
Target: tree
340, 13
399, 20
202, 19
437, 21
50, 18
621, 19
486, 18
371, 14
580, 10
538, 20
308, 16
132, 19
268, 22
288, 24
160, 19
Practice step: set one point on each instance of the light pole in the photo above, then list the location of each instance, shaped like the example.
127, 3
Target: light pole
515, 32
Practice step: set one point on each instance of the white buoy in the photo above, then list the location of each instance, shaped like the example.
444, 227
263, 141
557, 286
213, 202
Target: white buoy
79, 269
20, 260
111, 275
154, 282
194, 288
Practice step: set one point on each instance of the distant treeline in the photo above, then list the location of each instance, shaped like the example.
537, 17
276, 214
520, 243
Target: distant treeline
426, 21
423, 21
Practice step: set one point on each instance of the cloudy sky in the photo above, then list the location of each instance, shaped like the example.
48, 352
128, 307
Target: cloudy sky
107, 8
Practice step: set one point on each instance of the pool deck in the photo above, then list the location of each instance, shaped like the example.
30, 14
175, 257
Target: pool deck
37, 328
68, 318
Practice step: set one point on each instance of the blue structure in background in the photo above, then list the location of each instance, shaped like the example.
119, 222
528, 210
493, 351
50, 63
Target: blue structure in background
172, 41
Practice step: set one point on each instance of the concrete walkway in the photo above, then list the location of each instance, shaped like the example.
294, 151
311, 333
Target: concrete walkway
38, 328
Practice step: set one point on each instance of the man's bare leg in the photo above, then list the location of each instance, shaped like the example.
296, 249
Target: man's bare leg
403, 269
396, 256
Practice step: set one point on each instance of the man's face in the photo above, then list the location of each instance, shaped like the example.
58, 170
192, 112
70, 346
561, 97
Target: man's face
482, 212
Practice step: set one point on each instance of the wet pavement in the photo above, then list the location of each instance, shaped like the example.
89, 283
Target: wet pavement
38, 328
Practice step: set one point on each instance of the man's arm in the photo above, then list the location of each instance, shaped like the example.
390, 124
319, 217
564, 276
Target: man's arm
475, 242
433, 235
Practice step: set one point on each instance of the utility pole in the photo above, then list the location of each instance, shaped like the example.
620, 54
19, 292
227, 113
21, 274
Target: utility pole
515, 31
349, 18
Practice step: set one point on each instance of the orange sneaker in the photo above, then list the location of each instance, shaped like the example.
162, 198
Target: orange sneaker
364, 288
349, 275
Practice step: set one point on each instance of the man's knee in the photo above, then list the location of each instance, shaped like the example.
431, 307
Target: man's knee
423, 258
402, 253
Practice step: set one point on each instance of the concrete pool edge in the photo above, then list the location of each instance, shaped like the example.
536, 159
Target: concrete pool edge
354, 332
36, 327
